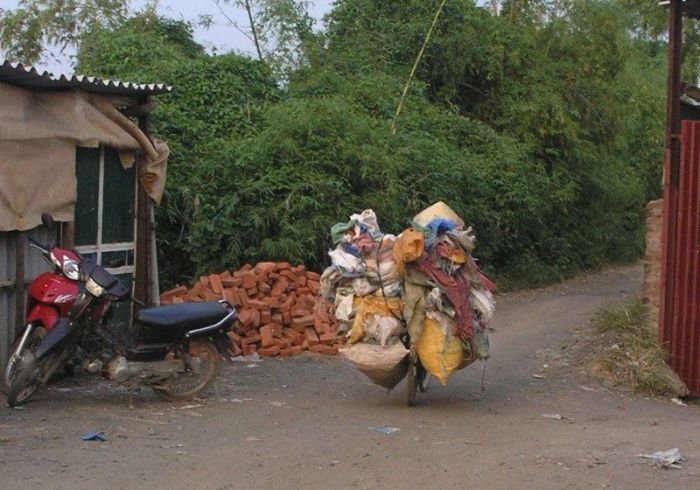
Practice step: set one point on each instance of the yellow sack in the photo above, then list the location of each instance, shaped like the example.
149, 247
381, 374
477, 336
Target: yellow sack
439, 355
365, 307
409, 246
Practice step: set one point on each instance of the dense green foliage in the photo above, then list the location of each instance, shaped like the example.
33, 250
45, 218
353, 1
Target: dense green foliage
26, 30
544, 131
217, 101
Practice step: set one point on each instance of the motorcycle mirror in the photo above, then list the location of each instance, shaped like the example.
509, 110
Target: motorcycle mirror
48, 221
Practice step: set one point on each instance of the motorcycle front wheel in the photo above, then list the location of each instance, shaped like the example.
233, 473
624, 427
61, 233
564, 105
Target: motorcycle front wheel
24, 373
199, 372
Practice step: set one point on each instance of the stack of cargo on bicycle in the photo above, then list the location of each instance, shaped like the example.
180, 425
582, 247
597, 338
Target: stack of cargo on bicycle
410, 303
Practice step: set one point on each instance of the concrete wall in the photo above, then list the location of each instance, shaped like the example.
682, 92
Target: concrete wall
652, 260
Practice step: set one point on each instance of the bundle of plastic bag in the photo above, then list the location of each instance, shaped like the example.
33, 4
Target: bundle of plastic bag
449, 300
423, 282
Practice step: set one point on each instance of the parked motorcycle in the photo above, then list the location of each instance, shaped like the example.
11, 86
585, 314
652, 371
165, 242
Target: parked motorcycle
176, 349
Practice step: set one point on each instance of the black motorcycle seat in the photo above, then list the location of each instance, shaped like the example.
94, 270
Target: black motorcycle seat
184, 316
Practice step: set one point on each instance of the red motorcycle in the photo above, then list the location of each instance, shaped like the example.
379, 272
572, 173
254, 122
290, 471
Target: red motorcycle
176, 349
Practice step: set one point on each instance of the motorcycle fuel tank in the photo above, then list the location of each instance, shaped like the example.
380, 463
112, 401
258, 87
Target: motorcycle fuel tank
54, 289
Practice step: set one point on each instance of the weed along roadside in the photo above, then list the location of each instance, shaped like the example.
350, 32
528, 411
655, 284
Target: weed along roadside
625, 352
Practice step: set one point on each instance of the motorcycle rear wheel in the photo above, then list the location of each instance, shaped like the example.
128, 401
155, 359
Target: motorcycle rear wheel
195, 379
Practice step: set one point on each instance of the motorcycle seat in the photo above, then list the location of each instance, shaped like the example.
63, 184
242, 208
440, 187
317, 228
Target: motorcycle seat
184, 316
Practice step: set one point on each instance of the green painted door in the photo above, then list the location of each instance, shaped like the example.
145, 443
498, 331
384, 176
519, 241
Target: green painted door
105, 212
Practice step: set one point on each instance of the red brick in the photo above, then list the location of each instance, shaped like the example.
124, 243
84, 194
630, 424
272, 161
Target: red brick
234, 350
264, 288
312, 276
204, 281
271, 351
231, 295
178, 300
304, 321
251, 292
318, 324
258, 304
276, 318
300, 312
311, 336
307, 302
250, 340
272, 276
224, 275
280, 286
296, 350
322, 311
230, 282
249, 281
256, 318
313, 286
260, 278
324, 349
264, 267
244, 297
245, 317
287, 305
286, 318
266, 336
277, 330
304, 291
265, 316
328, 338
193, 297
291, 276
234, 336
286, 352
282, 266
246, 268
299, 340
215, 283
197, 288
178, 291
209, 295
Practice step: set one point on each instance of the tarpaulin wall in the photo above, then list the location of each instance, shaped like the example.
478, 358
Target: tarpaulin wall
39, 132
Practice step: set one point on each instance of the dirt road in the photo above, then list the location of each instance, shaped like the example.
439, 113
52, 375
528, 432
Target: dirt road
305, 422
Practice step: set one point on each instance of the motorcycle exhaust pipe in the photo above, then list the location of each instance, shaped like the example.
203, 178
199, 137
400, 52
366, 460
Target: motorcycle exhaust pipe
121, 370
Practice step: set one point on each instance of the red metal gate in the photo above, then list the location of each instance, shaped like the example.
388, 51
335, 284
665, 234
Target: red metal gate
679, 316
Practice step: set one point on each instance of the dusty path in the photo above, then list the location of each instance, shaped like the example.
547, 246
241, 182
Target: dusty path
304, 423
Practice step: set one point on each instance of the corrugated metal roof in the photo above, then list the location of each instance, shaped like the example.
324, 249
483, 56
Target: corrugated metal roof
29, 77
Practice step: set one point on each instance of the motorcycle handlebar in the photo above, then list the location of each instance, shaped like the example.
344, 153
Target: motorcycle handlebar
38, 245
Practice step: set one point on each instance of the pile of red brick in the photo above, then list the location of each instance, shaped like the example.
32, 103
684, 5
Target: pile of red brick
277, 310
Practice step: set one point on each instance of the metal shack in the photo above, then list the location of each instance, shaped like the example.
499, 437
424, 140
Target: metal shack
69, 147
